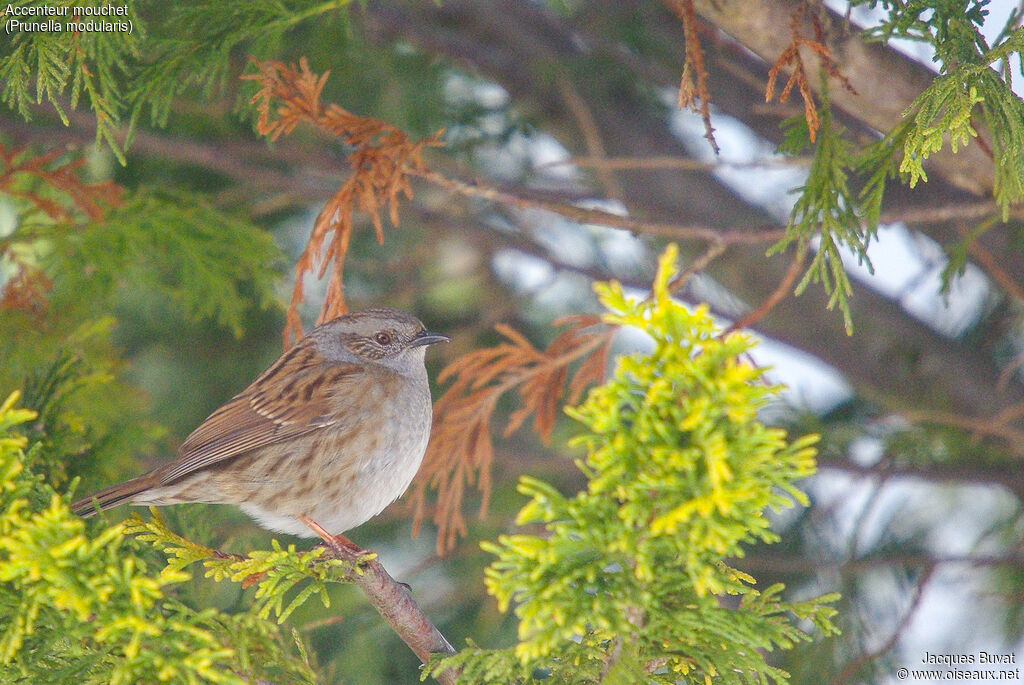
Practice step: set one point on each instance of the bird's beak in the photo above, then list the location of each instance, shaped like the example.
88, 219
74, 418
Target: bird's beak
428, 338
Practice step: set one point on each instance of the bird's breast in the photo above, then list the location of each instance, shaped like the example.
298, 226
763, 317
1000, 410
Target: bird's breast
371, 454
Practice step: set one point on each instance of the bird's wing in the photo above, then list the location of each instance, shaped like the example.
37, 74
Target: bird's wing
289, 399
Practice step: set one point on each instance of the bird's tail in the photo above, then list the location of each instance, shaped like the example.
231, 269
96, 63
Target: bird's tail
112, 496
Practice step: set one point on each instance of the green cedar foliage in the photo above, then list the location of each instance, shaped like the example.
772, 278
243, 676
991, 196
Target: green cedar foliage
276, 572
969, 88
631, 582
88, 608
973, 87
156, 249
203, 263
173, 48
826, 203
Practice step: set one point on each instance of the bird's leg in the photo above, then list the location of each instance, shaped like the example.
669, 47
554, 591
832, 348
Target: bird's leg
343, 546
339, 543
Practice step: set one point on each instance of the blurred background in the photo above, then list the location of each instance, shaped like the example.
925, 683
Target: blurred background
916, 516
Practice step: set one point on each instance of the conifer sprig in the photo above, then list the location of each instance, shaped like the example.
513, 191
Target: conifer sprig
628, 576
84, 607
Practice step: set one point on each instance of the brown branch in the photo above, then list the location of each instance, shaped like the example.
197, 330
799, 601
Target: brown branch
940, 214
1008, 371
395, 604
661, 162
591, 136
1010, 414
997, 474
751, 236
785, 564
989, 265
855, 665
392, 600
785, 287
987, 427
715, 249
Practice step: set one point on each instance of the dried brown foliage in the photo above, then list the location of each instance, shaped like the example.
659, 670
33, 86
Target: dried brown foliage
790, 57
33, 178
381, 161
47, 184
460, 451
26, 290
694, 95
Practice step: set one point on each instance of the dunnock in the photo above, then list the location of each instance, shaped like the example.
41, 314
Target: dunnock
328, 436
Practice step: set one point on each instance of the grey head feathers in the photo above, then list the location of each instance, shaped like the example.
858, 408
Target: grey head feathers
388, 337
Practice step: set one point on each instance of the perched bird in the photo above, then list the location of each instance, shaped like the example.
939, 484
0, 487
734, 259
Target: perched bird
323, 440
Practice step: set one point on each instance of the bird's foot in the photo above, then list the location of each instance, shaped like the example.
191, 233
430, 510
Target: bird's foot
339, 544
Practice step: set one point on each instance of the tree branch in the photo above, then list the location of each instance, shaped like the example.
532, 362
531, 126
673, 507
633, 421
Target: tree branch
787, 564
392, 600
856, 664
395, 604
595, 216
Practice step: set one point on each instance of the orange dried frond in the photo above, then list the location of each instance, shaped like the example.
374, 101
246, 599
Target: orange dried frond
381, 161
790, 57
590, 372
695, 96
74, 199
54, 187
297, 92
26, 291
460, 450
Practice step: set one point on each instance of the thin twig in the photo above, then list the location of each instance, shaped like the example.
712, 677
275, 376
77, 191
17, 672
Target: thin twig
748, 236
940, 214
1009, 414
776, 296
989, 427
392, 600
771, 563
1008, 371
591, 137
697, 265
851, 668
989, 265
657, 163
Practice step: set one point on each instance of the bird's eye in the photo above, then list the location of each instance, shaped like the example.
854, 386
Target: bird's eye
383, 338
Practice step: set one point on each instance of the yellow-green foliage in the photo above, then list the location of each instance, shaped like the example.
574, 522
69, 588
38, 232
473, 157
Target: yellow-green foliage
275, 572
970, 89
88, 609
627, 584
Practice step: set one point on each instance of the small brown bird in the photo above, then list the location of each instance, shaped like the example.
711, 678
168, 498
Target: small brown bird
328, 436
